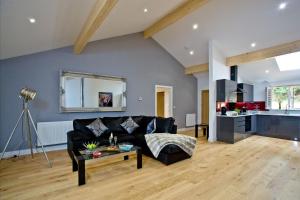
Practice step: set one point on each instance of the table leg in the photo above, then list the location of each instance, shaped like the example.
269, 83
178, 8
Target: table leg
81, 172
196, 130
74, 165
139, 159
126, 157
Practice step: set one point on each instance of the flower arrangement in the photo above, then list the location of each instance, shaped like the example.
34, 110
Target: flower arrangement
91, 146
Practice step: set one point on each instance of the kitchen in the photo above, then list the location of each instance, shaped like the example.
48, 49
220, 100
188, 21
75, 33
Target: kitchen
262, 98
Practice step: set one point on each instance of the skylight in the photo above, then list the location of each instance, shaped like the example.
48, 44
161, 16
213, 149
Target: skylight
288, 62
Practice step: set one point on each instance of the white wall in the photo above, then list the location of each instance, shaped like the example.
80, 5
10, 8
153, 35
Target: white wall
217, 70
202, 84
259, 91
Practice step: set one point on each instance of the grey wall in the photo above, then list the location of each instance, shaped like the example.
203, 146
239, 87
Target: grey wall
143, 62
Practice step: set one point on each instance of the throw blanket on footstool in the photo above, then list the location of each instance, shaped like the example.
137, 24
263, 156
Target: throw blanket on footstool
157, 141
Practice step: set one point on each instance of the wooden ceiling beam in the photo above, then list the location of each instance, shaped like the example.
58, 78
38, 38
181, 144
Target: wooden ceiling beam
271, 52
98, 14
196, 69
181, 11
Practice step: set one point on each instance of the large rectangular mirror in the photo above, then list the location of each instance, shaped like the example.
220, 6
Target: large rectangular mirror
83, 92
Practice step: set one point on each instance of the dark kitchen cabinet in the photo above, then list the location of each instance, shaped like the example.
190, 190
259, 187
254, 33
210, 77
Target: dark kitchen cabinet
288, 127
226, 90
253, 123
285, 127
245, 92
231, 129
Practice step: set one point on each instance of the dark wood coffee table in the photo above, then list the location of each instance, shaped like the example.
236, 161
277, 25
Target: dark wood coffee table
80, 157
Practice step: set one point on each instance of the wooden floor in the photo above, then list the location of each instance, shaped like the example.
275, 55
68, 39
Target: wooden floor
257, 168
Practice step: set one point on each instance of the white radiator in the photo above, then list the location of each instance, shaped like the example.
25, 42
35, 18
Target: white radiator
190, 119
51, 133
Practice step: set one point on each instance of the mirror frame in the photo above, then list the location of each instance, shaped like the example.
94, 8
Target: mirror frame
63, 109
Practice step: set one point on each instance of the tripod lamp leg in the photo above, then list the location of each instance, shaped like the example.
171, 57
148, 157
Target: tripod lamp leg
12, 133
35, 130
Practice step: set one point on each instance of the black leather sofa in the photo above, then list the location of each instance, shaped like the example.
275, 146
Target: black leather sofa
81, 134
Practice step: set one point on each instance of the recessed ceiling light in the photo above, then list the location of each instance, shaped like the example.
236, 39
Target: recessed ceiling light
195, 26
253, 44
145, 10
32, 20
267, 71
191, 52
289, 61
282, 6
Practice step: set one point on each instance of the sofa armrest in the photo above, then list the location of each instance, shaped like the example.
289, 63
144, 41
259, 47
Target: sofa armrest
174, 129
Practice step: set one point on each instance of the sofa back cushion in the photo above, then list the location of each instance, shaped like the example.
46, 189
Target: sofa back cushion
143, 123
164, 125
80, 125
114, 124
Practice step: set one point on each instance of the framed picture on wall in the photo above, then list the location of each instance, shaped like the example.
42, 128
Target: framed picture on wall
105, 99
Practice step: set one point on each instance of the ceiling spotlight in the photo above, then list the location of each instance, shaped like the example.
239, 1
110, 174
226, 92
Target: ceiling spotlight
282, 6
32, 20
145, 10
195, 26
267, 71
253, 44
191, 52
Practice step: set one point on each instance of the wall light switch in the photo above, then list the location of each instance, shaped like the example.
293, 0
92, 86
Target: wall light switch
140, 99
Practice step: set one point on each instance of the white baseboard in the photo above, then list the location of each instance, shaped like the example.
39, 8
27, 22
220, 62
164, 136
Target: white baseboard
185, 129
22, 152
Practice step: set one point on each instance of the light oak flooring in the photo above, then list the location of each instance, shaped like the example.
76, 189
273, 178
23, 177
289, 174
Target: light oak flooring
257, 168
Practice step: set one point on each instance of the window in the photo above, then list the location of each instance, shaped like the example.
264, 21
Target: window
283, 97
295, 97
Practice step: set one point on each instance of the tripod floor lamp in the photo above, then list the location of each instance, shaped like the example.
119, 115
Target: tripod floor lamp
27, 95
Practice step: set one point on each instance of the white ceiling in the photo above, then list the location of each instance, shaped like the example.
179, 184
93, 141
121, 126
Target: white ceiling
233, 24
60, 21
256, 72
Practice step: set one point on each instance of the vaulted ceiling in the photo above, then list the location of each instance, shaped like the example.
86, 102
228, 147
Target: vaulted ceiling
233, 24
266, 70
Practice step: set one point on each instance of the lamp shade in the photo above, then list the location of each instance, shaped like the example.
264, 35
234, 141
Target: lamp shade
28, 94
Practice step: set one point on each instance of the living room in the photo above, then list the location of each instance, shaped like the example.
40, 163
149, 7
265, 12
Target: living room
149, 99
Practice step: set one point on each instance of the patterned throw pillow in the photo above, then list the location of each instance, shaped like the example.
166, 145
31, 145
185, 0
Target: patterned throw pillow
129, 125
151, 127
97, 127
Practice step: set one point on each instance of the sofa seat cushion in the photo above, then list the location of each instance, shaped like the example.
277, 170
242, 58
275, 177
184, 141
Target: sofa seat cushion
169, 149
79, 136
125, 137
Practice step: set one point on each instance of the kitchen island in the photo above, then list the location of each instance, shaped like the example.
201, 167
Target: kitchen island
231, 129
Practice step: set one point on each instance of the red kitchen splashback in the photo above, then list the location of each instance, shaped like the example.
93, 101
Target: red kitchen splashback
260, 105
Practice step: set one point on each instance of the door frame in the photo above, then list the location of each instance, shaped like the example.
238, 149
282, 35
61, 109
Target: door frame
171, 96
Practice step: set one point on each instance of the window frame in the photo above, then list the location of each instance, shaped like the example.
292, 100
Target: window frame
269, 90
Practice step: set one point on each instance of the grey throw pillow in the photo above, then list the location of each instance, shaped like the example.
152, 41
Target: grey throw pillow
97, 127
129, 125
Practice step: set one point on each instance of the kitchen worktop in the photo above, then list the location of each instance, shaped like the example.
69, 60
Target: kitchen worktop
264, 113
